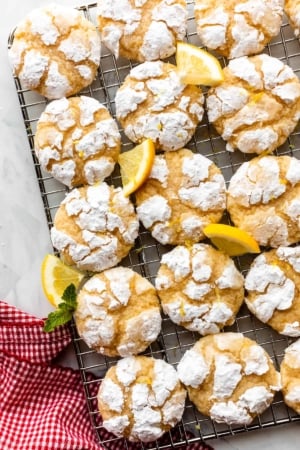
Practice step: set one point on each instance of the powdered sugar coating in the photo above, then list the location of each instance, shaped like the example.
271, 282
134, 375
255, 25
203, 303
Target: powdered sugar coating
257, 105
110, 304
127, 369
153, 103
230, 412
279, 293
112, 395
226, 378
152, 48
213, 28
255, 400
292, 355
192, 368
229, 377
272, 285
116, 425
65, 55
232, 341
149, 69
91, 234
129, 99
42, 25
226, 101
289, 371
293, 396
251, 188
263, 200
292, 329
256, 360
291, 255
160, 170
176, 209
238, 28
154, 399
199, 288
170, 131
34, 66
292, 10
140, 31
77, 141
178, 261
154, 210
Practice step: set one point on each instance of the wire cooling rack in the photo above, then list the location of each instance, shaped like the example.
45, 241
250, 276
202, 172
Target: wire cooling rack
145, 257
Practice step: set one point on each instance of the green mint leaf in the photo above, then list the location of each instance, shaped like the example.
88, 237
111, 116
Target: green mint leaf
64, 307
57, 318
69, 295
64, 311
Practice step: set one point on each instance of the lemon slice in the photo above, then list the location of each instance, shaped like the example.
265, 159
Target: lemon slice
231, 240
56, 276
136, 165
197, 66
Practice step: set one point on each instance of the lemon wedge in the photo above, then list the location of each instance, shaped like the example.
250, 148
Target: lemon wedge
231, 240
136, 165
56, 277
197, 66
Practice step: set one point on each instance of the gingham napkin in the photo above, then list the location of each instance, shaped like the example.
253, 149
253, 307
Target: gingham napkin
42, 406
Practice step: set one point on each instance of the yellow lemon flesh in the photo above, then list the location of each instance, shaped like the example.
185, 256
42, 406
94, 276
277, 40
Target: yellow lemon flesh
136, 165
231, 240
56, 277
197, 66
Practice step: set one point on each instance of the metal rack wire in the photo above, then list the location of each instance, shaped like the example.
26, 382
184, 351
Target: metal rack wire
145, 257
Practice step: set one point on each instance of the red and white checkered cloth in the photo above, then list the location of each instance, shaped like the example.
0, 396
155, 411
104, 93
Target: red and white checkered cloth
42, 406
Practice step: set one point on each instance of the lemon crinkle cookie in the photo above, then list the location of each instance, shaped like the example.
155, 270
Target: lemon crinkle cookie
273, 283
118, 312
292, 9
290, 376
153, 103
200, 288
257, 106
141, 398
55, 51
176, 208
229, 377
142, 30
77, 141
263, 199
94, 227
238, 27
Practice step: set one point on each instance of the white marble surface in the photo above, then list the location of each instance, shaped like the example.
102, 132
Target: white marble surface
24, 236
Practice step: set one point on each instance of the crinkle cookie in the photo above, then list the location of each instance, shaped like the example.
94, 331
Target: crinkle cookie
257, 106
273, 284
118, 312
290, 376
77, 141
177, 208
141, 398
292, 9
200, 288
153, 103
236, 28
56, 51
264, 199
229, 377
143, 30
94, 227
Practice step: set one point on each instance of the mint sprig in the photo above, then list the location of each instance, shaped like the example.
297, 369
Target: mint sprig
64, 311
